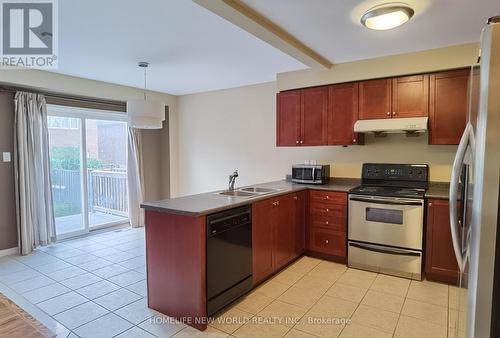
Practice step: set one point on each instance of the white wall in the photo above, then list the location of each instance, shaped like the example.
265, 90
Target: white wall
235, 129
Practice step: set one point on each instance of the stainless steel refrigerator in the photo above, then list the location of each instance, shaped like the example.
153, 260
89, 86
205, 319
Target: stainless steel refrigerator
474, 199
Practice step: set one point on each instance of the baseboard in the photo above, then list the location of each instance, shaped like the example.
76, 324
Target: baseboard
7, 252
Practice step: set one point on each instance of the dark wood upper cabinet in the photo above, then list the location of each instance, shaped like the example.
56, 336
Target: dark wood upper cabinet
342, 114
375, 99
288, 118
448, 106
410, 96
440, 261
314, 116
262, 240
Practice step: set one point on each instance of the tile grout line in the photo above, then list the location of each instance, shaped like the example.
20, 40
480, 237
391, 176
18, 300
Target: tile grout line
295, 325
402, 306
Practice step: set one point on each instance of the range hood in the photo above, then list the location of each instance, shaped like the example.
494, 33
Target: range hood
409, 125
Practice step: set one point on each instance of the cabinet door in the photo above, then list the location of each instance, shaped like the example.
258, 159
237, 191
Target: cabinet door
299, 219
448, 106
262, 240
328, 242
375, 99
410, 96
288, 118
342, 114
314, 116
440, 258
284, 238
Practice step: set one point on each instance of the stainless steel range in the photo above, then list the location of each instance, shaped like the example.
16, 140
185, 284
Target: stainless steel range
386, 219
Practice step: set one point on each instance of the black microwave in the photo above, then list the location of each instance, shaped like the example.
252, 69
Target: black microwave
311, 173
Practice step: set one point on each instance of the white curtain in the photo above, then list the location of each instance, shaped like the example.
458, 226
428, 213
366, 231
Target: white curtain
35, 213
135, 178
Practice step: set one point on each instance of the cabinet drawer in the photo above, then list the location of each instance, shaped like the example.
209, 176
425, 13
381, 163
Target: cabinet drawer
328, 242
329, 197
334, 217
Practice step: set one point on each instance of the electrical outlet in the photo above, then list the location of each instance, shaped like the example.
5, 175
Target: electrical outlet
6, 156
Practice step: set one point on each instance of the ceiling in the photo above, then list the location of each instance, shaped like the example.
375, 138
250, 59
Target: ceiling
193, 50
332, 28
190, 48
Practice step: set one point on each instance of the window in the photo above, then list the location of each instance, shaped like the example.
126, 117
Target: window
58, 122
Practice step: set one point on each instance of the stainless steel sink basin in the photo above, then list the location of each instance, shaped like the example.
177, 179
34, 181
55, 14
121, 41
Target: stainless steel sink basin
238, 193
259, 190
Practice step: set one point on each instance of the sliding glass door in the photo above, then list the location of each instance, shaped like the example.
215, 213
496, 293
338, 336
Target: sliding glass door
106, 172
88, 157
65, 144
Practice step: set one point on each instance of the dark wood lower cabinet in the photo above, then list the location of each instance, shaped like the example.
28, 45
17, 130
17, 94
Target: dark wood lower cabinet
262, 240
328, 242
440, 262
327, 224
283, 234
273, 235
299, 221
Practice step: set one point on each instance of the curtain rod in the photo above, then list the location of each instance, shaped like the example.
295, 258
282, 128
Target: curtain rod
70, 100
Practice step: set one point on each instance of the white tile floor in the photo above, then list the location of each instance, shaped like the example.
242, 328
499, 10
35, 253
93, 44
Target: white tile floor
96, 287
87, 287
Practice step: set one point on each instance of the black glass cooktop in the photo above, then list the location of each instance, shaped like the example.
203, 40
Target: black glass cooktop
389, 191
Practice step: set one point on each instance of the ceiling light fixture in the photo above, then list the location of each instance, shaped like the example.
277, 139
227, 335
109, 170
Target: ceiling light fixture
387, 16
145, 114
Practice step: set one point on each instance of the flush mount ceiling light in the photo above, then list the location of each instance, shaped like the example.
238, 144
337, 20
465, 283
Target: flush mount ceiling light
145, 114
387, 16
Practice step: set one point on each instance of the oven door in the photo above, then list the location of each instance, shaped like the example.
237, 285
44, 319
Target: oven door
386, 220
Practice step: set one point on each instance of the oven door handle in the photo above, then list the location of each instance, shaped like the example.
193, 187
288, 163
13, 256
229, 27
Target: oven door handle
390, 251
395, 202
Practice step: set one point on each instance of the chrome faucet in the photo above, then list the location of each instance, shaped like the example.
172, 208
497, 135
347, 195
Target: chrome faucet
232, 179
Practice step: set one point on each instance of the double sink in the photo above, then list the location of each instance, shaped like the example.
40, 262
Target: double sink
248, 192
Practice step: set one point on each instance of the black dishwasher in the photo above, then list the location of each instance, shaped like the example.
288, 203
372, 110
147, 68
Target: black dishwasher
229, 257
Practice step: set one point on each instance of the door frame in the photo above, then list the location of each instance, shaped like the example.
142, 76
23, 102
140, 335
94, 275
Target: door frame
83, 114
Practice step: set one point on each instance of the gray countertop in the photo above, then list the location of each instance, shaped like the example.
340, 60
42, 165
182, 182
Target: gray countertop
208, 203
438, 190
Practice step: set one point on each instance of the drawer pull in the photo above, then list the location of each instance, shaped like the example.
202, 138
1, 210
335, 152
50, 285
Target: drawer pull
327, 197
327, 210
326, 241
326, 222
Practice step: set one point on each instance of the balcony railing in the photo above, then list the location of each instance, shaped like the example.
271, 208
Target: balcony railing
107, 192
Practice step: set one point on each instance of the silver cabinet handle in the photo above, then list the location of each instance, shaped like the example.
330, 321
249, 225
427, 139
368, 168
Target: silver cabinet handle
301, 142
354, 141
327, 222
393, 113
297, 142
326, 241
388, 113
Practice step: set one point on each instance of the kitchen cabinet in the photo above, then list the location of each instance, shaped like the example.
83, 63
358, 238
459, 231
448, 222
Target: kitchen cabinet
375, 99
288, 118
406, 96
342, 114
302, 117
410, 96
314, 116
299, 221
327, 223
448, 106
273, 238
440, 261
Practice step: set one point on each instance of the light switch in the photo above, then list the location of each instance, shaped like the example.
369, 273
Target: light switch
6, 156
